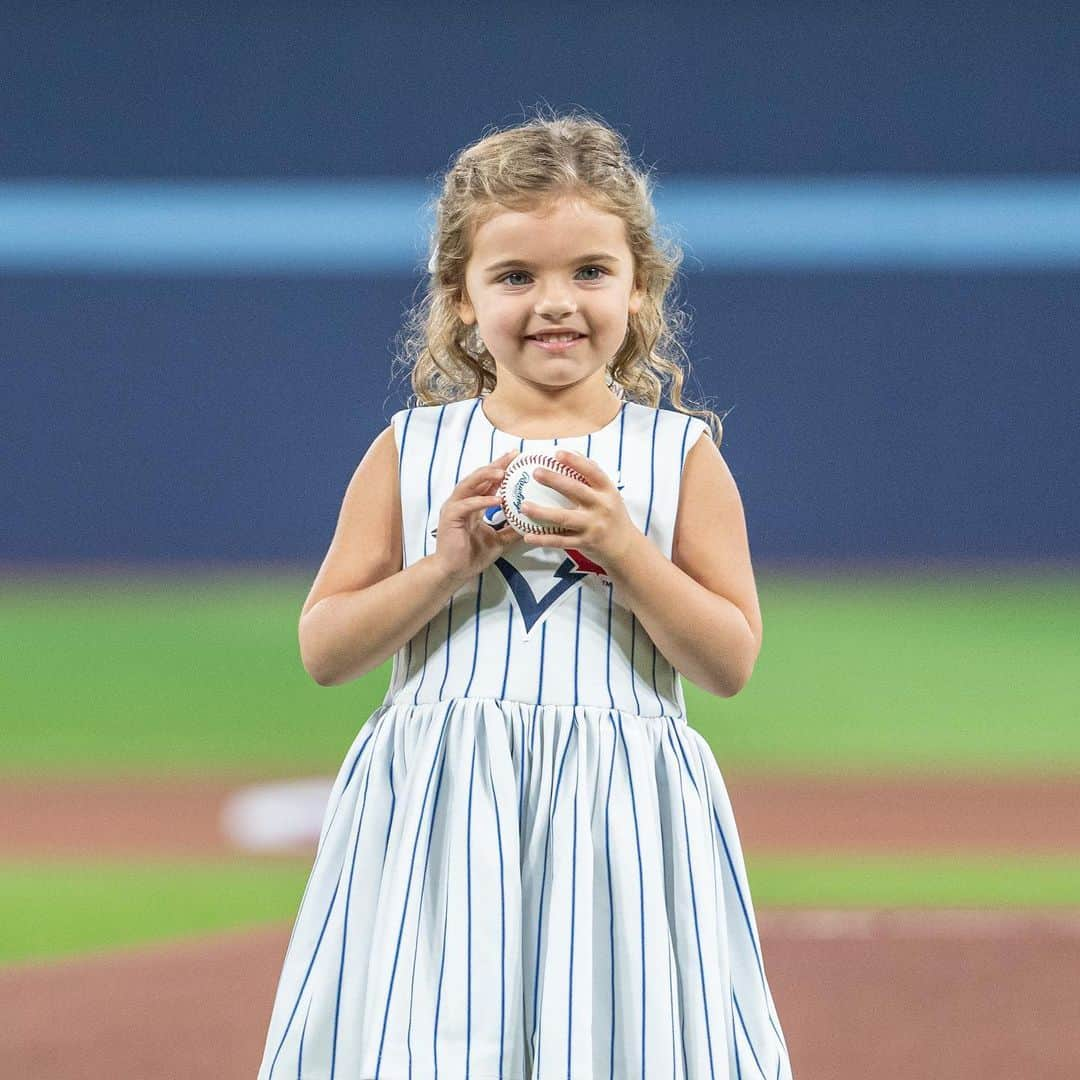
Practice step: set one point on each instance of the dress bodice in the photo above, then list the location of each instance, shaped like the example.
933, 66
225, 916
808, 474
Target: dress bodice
538, 625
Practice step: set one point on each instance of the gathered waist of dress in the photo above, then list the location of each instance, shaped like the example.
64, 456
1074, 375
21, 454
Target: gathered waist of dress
585, 709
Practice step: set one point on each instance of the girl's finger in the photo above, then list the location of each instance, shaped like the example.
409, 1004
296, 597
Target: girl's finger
567, 485
555, 515
594, 475
547, 539
476, 502
489, 474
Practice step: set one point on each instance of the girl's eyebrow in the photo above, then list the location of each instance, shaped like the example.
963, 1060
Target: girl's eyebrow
599, 256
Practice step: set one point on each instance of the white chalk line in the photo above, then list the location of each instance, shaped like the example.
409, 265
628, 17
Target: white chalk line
287, 816
874, 923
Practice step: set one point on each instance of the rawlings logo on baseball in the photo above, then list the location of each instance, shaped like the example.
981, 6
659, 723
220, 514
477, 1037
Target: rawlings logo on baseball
519, 486
519, 490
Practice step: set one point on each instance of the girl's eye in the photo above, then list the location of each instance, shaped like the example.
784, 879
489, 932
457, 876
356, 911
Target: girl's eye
522, 273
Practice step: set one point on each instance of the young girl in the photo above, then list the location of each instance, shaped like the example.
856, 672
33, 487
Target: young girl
528, 865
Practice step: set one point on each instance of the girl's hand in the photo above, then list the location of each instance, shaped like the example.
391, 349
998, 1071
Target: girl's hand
601, 528
465, 543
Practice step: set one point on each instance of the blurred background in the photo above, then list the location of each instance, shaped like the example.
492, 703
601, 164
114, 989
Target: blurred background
212, 222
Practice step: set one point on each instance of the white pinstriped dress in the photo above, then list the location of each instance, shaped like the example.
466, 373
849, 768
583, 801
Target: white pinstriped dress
528, 867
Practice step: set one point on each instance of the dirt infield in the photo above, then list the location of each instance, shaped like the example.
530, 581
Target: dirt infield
180, 816
895, 995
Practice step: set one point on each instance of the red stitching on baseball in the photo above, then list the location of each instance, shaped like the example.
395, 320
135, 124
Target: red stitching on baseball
534, 457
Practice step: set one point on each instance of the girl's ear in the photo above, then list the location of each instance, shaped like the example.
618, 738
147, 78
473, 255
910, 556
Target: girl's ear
637, 297
466, 311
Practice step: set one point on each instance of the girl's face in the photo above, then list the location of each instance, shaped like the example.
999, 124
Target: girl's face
568, 267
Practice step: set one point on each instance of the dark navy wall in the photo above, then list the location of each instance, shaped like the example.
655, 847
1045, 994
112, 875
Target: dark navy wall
349, 89
874, 413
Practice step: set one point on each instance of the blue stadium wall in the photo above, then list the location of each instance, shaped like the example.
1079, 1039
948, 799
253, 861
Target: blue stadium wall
893, 391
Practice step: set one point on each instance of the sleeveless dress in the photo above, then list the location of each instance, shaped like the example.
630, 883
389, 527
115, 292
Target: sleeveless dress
528, 866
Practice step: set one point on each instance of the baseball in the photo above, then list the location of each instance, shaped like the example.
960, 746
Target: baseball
519, 485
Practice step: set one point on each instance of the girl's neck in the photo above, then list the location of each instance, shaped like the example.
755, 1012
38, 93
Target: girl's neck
538, 417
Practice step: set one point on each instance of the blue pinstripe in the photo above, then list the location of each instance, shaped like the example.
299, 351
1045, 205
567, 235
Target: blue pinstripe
611, 894
745, 914
682, 463
671, 1012
735, 1043
509, 610
540, 675
300, 1056
442, 970
322, 932
693, 900
521, 784
573, 916
648, 520
749, 1041
449, 638
641, 886
746, 919
431, 466
423, 665
610, 602
502, 931
553, 803
345, 930
427, 533
404, 550
450, 605
468, 919
476, 633
424, 884
412, 862
509, 646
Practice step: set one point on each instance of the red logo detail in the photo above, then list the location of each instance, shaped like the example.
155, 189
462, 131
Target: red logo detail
582, 562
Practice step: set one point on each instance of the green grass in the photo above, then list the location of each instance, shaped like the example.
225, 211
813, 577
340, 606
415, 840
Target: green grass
66, 908
971, 673
915, 881
59, 909
975, 674
196, 677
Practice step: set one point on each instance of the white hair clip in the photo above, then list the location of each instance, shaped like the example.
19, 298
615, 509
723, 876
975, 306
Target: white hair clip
432, 260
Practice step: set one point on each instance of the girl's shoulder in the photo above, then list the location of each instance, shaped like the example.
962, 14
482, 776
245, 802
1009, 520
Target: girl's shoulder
431, 415
670, 424
433, 410
420, 429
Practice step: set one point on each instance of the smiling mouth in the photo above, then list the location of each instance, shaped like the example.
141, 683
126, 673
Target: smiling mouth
557, 346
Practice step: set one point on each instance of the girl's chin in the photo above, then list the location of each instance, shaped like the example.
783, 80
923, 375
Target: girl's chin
552, 376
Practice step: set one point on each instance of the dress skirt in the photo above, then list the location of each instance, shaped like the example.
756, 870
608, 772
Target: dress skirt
506, 891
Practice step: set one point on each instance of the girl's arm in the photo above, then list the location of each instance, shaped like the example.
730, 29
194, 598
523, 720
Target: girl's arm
362, 606
701, 606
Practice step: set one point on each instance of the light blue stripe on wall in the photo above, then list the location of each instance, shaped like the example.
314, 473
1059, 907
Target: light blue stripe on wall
380, 226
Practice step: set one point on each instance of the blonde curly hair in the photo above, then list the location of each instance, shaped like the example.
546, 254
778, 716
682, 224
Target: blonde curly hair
526, 168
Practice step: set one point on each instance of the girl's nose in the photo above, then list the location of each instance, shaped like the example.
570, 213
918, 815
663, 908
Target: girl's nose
554, 304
